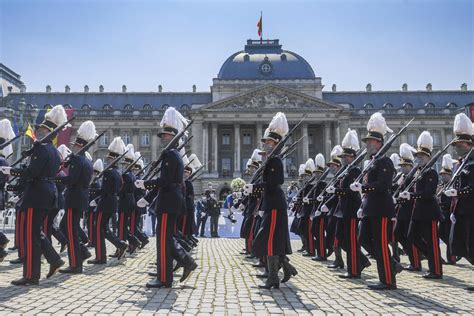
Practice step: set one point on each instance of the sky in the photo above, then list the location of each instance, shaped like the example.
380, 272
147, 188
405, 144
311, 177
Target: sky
180, 43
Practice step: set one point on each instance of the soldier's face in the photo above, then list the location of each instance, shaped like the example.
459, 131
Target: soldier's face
252, 170
421, 160
334, 168
41, 132
346, 160
75, 149
462, 148
186, 174
373, 146
405, 169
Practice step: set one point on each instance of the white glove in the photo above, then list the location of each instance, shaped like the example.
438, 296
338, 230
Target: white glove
320, 198
306, 200
5, 170
324, 208
405, 195
260, 213
239, 195
140, 184
452, 218
359, 213
15, 199
356, 187
291, 205
236, 201
394, 220
241, 207
294, 199
248, 189
142, 202
451, 192
331, 189
93, 203
203, 214
318, 213
394, 200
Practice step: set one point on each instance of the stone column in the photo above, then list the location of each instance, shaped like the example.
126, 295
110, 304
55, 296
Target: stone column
197, 146
258, 135
205, 147
338, 133
154, 146
304, 141
237, 150
327, 140
215, 148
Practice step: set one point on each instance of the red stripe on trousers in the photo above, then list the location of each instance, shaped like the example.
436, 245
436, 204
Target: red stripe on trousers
164, 219
385, 256
97, 241
416, 262
45, 225
434, 234
132, 225
322, 249
22, 236
183, 228
354, 246
272, 233
336, 242
71, 238
17, 229
310, 237
250, 239
29, 240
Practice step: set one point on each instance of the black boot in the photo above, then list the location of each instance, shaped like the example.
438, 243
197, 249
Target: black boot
185, 260
339, 262
288, 269
273, 267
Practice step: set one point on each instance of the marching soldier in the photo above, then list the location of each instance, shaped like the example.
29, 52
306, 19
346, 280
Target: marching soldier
445, 205
378, 208
462, 191
17, 199
169, 203
305, 221
94, 188
425, 215
107, 204
404, 209
40, 196
135, 217
76, 196
272, 239
349, 203
296, 206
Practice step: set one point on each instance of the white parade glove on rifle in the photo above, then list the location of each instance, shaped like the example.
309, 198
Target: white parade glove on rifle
359, 213
324, 208
405, 195
5, 170
142, 202
140, 184
356, 187
248, 189
451, 192
331, 189
452, 218
93, 203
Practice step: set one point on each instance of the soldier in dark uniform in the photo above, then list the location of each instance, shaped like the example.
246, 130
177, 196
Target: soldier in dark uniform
305, 221
169, 204
462, 192
445, 205
349, 203
6, 133
135, 217
107, 205
187, 220
40, 196
76, 196
214, 211
426, 213
94, 190
404, 209
17, 192
272, 239
378, 208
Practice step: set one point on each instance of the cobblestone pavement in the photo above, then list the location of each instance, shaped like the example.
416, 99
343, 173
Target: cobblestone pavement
225, 283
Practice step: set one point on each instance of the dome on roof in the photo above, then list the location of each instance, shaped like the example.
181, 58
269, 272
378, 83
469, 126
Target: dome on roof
265, 60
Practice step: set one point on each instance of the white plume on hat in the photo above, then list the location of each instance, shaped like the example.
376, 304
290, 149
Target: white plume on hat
172, 118
195, 163
406, 151
377, 124
351, 140
310, 166
448, 162
131, 152
278, 125
117, 146
256, 155
463, 125
57, 115
395, 158
87, 131
301, 169
140, 163
336, 152
425, 140
137, 155
319, 161
7, 133
88, 156
98, 165
249, 162
64, 152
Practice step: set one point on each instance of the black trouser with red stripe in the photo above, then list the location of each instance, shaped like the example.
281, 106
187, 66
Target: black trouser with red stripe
355, 258
401, 235
135, 230
424, 235
101, 232
124, 233
331, 240
36, 243
75, 249
17, 228
308, 234
318, 229
165, 247
91, 218
249, 240
374, 236
49, 229
20, 233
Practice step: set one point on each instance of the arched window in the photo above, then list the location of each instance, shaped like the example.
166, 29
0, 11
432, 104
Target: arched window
412, 138
407, 105
85, 107
368, 106
283, 57
148, 107
107, 107
47, 106
67, 106
165, 106
185, 107
429, 105
246, 57
387, 105
128, 107
127, 138
451, 105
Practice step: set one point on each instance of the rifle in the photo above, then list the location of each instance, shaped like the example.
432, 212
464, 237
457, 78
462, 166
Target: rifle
288, 150
83, 149
171, 144
144, 168
457, 174
46, 138
194, 175
131, 165
382, 151
5, 144
110, 166
426, 167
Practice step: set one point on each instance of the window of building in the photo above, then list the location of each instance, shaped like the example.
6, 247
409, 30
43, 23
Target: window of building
226, 139
310, 138
127, 138
147, 107
412, 138
226, 166
128, 107
104, 140
247, 139
145, 139
165, 106
86, 107
185, 107
146, 160
436, 138
107, 107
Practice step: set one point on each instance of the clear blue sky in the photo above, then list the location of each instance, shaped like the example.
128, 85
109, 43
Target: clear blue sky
181, 43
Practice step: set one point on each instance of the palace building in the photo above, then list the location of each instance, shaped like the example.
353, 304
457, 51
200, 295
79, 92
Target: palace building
229, 120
